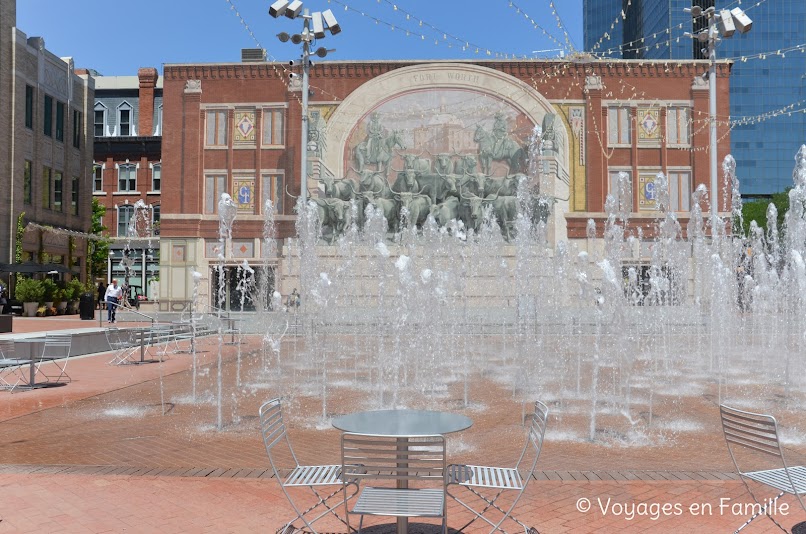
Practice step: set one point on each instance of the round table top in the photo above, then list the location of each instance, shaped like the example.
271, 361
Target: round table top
402, 422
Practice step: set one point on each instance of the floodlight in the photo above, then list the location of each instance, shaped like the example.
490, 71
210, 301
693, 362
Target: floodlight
702, 36
278, 8
293, 9
695, 11
726, 26
284, 37
296, 38
293, 75
330, 20
319, 28
322, 51
741, 20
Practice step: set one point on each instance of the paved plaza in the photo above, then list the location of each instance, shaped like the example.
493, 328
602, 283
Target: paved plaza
121, 448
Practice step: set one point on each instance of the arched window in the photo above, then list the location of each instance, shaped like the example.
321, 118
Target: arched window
125, 120
99, 120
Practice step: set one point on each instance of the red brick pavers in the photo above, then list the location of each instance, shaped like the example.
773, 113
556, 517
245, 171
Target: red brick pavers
66, 467
130, 503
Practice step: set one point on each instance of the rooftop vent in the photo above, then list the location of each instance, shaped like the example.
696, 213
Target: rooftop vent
253, 54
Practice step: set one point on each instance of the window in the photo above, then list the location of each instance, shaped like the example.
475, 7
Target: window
156, 171
127, 178
214, 185
155, 219
618, 126
271, 187
125, 214
74, 196
57, 190
273, 120
622, 194
97, 178
46, 185
29, 106
78, 128
216, 128
48, 121
59, 121
677, 124
125, 120
158, 123
27, 191
680, 190
99, 120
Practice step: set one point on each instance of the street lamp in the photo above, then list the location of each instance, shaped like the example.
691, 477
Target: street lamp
314, 26
724, 22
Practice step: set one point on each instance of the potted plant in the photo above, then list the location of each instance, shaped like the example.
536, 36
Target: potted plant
60, 299
73, 291
30, 292
50, 292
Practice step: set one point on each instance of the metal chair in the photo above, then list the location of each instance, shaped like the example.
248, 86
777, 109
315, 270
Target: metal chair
501, 479
752, 438
403, 460
312, 477
124, 343
56, 351
11, 372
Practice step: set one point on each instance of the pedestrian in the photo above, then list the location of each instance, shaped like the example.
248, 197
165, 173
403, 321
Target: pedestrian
113, 294
101, 295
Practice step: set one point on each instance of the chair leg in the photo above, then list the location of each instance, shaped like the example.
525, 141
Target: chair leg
763, 510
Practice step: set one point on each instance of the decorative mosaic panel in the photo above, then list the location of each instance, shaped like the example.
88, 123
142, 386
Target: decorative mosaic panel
244, 189
647, 199
211, 248
648, 125
244, 127
178, 253
243, 248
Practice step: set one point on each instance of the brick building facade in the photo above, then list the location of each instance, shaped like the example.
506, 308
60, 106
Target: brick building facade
236, 128
127, 172
46, 156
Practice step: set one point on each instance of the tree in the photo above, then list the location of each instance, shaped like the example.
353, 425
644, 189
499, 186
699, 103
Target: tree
98, 252
757, 211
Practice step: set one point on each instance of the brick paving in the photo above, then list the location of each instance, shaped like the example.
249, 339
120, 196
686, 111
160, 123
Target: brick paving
121, 449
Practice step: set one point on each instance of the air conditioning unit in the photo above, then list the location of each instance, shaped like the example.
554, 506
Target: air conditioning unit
253, 55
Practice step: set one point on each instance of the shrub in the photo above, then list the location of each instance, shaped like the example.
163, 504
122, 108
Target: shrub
29, 290
50, 290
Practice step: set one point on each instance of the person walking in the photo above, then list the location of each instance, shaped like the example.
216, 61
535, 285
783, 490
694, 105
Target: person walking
112, 297
101, 295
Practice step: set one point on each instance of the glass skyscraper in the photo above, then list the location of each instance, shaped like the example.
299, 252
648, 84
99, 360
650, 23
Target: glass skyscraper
763, 85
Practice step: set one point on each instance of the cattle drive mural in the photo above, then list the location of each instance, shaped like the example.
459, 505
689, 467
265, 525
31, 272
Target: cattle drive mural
457, 156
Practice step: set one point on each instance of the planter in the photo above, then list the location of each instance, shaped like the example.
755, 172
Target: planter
48, 303
29, 308
72, 307
61, 307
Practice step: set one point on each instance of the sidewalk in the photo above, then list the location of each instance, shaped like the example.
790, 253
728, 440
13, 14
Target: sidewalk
67, 467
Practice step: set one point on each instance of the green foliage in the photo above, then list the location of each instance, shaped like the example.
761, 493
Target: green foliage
29, 290
50, 288
73, 290
757, 211
98, 252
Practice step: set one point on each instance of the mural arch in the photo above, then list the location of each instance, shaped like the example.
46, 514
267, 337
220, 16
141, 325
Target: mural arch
450, 110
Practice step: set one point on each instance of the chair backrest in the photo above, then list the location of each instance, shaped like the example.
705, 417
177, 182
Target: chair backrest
535, 433
749, 432
57, 346
382, 457
272, 428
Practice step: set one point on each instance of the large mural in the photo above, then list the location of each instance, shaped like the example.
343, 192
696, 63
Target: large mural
451, 141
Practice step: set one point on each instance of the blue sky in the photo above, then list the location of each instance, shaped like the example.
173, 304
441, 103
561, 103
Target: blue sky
116, 37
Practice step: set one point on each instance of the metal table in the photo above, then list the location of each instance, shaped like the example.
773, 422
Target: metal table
35, 353
403, 424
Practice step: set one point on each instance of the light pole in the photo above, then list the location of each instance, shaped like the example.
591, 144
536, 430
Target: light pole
724, 23
314, 25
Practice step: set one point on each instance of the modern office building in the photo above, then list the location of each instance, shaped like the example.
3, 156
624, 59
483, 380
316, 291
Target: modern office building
127, 172
768, 77
45, 156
